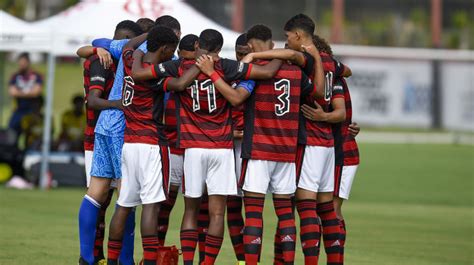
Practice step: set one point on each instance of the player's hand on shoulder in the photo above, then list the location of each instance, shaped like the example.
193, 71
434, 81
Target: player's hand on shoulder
205, 64
104, 57
314, 114
248, 58
354, 129
138, 55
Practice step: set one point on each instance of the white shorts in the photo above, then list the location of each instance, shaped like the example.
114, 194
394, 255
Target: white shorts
211, 168
343, 181
317, 170
260, 176
88, 165
177, 170
238, 163
145, 174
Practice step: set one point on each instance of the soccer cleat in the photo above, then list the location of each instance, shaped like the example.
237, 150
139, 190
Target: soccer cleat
101, 262
240, 262
82, 261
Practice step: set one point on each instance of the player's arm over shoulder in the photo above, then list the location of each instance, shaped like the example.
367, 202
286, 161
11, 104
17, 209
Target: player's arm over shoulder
293, 56
181, 83
98, 80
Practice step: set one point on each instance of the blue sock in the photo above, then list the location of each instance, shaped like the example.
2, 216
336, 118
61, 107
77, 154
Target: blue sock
128, 241
88, 214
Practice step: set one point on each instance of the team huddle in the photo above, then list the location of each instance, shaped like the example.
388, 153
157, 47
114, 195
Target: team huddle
226, 132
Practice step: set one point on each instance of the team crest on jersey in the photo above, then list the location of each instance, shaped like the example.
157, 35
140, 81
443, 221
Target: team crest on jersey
161, 68
241, 67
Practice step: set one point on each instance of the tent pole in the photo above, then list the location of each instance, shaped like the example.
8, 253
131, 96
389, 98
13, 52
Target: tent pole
3, 93
44, 173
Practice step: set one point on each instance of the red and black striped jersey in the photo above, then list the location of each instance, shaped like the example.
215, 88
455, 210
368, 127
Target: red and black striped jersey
346, 149
238, 118
272, 115
318, 133
143, 106
95, 77
171, 131
205, 119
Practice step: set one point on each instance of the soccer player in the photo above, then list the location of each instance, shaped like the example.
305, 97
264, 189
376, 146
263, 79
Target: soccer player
269, 146
145, 154
205, 132
346, 150
98, 83
235, 220
186, 51
317, 136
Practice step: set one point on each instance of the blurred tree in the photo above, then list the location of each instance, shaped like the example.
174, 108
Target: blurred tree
14, 7
459, 35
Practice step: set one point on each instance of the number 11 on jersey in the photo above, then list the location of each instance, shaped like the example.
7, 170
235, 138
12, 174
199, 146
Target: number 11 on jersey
205, 85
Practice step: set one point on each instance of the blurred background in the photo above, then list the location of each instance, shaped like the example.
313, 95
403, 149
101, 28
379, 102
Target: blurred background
412, 93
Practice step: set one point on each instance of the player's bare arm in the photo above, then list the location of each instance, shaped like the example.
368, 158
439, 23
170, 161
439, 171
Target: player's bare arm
104, 56
318, 114
267, 71
136, 42
181, 83
140, 73
319, 79
293, 56
95, 102
234, 96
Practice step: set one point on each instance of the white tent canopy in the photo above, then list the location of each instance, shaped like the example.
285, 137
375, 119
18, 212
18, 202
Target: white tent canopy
90, 19
18, 35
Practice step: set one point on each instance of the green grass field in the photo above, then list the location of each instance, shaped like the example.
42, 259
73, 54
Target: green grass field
410, 205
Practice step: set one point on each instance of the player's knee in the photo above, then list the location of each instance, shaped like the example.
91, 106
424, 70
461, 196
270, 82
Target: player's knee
302, 194
99, 195
325, 197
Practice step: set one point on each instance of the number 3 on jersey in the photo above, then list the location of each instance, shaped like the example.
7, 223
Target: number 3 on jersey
127, 91
283, 106
208, 86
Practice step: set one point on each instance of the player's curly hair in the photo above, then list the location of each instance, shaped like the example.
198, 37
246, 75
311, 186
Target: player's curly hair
211, 40
159, 36
259, 32
169, 22
241, 40
300, 21
322, 44
145, 24
129, 25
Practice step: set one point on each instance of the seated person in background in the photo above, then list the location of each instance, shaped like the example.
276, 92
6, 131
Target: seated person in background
32, 125
25, 85
72, 127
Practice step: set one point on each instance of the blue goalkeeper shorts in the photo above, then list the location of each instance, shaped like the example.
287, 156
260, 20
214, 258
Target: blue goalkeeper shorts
106, 160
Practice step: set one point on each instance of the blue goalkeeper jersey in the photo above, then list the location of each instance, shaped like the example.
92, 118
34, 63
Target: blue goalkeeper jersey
111, 122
